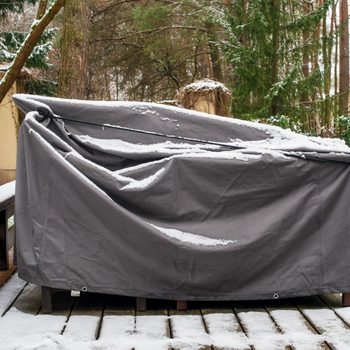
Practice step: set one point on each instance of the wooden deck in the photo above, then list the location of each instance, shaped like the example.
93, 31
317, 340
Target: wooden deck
6, 274
96, 321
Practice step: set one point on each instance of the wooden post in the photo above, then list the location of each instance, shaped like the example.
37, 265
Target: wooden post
46, 300
3, 241
181, 305
141, 304
346, 299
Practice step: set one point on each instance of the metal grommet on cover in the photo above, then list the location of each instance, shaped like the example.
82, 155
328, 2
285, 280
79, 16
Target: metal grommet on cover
275, 296
84, 289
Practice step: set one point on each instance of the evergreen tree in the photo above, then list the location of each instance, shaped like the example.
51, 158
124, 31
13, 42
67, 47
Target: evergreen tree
30, 41
270, 47
344, 58
10, 43
7, 6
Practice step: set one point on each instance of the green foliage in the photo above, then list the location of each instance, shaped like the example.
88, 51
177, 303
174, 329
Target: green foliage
41, 87
343, 127
10, 42
265, 48
150, 17
285, 122
7, 6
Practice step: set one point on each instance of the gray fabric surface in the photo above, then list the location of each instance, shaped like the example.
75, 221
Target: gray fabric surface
142, 215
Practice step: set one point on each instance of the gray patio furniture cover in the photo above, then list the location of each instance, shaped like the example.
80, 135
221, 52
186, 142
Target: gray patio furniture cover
250, 212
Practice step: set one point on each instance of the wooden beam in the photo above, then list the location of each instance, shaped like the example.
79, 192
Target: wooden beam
141, 304
181, 305
46, 300
346, 299
3, 241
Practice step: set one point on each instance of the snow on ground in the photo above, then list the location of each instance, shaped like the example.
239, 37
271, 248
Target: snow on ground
225, 331
24, 327
331, 326
262, 331
19, 330
82, 328
293, 325
8, 291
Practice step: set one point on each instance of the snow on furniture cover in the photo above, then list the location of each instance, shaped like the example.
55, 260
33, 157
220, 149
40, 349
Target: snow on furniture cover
258, 212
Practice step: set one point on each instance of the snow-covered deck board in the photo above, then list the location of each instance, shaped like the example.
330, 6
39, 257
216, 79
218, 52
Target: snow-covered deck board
112, 322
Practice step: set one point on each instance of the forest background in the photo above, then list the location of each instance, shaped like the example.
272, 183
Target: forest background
286, 62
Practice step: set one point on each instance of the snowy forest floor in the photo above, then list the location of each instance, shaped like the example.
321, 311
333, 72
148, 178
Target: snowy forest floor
96, 321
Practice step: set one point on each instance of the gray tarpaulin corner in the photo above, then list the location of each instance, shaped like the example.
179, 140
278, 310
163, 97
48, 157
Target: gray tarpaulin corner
256, 212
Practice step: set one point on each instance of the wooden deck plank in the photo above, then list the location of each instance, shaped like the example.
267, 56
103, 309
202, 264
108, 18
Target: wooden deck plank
261, 329
9, 292
23, 324
119, 321
334, 302
188, 329
152, 330
325, 322
29, 301
224, 329
6, 274
302, 323
86, 318
292, 323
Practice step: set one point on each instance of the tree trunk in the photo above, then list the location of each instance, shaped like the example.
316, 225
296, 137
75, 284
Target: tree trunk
344, 58
335, 63
328, 118
214, 52
275, 10
305, 97
75, 43
26, 49
315, 67
41, 9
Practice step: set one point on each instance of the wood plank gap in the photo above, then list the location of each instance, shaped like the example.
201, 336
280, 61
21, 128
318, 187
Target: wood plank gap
242, 326
346, 323
171, 336
205, 327
68, 316
14, 300
204, 323
135, 315
308, 320
278, 328
99, 325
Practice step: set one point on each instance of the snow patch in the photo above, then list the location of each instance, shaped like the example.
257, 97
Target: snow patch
7, 191
9, 292
207, 84
167, 147
194, 239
